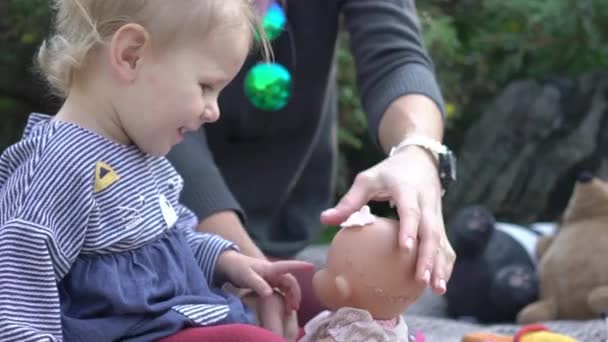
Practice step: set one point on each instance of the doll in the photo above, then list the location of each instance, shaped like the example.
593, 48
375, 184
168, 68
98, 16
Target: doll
367, 283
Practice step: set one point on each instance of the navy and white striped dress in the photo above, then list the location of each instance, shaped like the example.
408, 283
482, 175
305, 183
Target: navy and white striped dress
94, 245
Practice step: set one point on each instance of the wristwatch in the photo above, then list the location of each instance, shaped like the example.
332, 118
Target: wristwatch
445, 157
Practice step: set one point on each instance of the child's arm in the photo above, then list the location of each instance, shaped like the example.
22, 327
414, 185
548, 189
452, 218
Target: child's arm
30, 261
44, 215
239, 269
205, 247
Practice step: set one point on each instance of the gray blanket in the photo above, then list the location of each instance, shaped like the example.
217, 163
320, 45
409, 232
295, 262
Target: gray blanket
447, 330
428, 316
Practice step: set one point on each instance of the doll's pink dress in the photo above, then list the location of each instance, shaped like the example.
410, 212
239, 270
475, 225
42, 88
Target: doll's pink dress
354, 325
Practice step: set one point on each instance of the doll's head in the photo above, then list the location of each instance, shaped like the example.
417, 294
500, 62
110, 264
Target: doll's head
366, 269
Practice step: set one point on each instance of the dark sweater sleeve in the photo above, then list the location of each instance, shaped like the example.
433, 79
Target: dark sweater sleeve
205, 191
390, 57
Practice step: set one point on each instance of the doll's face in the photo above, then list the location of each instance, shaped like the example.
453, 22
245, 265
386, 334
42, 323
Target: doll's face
367, 270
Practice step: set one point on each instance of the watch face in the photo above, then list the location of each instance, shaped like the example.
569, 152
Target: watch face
447, 169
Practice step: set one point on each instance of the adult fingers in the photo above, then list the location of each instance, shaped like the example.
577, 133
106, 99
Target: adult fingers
408, 208
363, 188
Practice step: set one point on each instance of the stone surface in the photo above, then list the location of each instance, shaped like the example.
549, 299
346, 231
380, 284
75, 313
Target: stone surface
521, 158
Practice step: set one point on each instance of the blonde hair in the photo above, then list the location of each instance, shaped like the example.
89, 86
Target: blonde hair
81, 26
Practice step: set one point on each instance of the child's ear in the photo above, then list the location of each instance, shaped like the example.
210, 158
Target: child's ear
127, 49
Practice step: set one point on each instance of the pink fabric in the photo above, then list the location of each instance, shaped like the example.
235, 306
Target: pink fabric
418, 337
352, 324
390, 323
225, 333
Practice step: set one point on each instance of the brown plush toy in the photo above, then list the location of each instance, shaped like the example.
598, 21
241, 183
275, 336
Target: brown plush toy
573, 275
368, 282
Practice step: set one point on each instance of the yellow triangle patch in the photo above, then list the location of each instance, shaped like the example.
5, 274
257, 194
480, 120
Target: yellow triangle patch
104, 176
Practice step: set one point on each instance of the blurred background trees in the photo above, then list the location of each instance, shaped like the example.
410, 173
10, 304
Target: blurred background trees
532, 67
525, 101
23, 25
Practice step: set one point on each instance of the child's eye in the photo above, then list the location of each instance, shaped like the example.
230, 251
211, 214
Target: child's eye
205, 88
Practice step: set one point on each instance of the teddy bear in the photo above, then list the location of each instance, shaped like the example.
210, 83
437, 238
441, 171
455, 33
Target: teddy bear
367, 283
573, 276
494, 274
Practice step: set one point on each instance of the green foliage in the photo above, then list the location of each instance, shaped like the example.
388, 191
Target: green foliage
353, 122
22, 27
479, 46
26, 19
23, 24
326, 235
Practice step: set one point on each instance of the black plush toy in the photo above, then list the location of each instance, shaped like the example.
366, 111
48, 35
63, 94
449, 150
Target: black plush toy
494, 274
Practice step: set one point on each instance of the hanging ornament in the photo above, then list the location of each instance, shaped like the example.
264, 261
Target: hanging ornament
274, 21
268, 86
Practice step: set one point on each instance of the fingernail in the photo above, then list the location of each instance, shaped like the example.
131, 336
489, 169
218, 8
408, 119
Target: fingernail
427, 276
442, 285
409, 243
330, 211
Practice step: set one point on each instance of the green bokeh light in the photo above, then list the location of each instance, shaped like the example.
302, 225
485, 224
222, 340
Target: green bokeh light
274, 21
268, 86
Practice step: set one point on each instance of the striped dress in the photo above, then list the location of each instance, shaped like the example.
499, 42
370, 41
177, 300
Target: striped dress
94, 245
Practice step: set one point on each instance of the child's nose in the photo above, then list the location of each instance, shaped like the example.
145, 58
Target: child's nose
211, 113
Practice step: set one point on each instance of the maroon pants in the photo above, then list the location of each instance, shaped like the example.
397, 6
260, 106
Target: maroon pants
225, 333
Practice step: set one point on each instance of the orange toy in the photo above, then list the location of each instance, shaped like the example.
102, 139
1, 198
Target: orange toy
528, 333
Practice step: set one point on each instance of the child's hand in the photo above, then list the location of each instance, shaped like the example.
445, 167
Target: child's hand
273, 315
262, 275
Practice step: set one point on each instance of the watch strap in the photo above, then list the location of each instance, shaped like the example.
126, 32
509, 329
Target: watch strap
418, 140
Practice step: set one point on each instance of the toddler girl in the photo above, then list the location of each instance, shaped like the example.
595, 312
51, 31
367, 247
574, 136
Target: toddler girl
94, 243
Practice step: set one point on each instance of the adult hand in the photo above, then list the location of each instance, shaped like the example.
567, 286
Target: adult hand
409, 179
